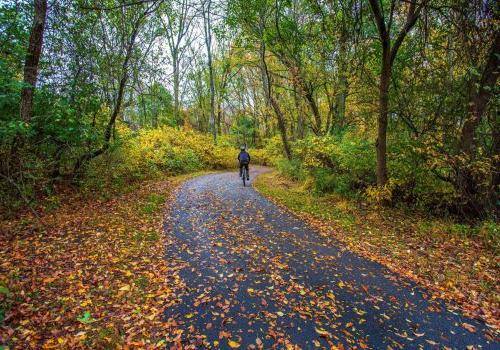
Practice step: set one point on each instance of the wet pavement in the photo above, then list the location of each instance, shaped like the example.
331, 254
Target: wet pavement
259, 278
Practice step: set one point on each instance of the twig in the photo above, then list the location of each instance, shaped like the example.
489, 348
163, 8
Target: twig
26, 200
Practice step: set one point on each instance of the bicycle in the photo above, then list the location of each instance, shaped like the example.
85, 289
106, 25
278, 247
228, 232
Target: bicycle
244, 176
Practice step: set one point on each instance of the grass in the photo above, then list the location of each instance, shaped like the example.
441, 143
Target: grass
153, 202
457, 262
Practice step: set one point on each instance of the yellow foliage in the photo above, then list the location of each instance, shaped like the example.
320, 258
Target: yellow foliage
382, 194
165, 150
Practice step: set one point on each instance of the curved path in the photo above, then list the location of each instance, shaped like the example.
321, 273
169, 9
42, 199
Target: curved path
258, 278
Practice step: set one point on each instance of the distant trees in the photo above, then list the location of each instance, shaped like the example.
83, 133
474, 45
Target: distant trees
177, 19
399, 77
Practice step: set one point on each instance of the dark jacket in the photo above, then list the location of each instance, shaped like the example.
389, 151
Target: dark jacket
244, 157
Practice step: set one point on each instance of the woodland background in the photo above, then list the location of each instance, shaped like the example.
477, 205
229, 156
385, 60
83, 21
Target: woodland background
395, 102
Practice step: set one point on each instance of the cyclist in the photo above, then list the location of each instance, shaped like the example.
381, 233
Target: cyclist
244, 159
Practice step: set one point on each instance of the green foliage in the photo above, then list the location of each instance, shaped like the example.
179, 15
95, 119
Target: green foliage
291, 169
86, 318
342, 164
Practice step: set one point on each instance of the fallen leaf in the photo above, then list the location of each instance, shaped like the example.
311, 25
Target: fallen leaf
233, 344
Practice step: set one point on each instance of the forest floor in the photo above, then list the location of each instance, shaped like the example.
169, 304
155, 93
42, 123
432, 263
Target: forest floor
89, 273
238, 272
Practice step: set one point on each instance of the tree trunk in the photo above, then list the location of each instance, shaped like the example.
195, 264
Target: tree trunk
385, 78
117, 106
176, 85
219, 118
32, 59
340, 105
388, 57
466, 183
300, 115
314, 109
270, 100
282, 127
479, 100
208, 42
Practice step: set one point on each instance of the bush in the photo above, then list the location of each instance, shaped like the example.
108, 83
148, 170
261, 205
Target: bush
273, 151
149, 153
344, 164
291, 169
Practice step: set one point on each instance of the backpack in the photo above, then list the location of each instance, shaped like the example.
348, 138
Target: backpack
244, 157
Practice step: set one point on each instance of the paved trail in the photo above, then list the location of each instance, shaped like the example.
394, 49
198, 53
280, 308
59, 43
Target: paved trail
257, 277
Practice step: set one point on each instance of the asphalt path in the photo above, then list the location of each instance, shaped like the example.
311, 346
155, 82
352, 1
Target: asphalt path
256, 277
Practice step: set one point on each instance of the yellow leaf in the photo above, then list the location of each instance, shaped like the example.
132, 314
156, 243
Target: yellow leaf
125, 287
323, 332
86, 302
233, 344
188, 315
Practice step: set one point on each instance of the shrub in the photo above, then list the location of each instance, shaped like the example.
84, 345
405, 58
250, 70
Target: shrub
344, 163
292, 169
149, 153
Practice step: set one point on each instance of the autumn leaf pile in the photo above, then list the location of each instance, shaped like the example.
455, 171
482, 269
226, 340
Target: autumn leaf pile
88, 274
462, 270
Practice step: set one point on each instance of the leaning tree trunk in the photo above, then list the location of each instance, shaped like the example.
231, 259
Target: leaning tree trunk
266, 83
32, 59
116, 108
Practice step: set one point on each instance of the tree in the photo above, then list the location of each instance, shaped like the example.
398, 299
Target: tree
127, 22
389, 53
207, 27
178, 21
32, 59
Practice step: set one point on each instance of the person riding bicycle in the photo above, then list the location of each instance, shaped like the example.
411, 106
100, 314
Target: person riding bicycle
244, 159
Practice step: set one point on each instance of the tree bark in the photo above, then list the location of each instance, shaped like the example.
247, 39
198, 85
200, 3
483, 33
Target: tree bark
477, 196
340, 102
299, 134
381, 144
479, 100
208, 42
117, 106
388, 56
314, 109
272, 101
175, 64
33, 59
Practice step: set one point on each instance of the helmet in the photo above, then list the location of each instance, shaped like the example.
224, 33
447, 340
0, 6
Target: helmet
242, 148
